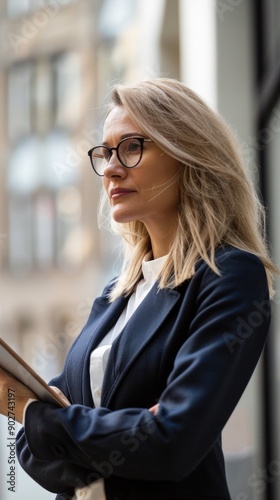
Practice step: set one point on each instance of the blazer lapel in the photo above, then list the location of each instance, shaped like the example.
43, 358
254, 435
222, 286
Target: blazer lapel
141, 327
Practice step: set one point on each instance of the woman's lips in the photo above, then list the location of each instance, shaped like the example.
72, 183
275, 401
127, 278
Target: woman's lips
118, 192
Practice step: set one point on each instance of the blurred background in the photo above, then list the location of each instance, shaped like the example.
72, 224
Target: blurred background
58, 60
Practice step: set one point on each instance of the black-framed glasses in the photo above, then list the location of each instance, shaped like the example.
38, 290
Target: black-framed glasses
129, 152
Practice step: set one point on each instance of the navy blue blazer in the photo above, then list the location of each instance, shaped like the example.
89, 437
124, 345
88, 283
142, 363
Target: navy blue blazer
193, 350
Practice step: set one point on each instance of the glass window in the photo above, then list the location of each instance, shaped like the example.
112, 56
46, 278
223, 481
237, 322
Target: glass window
23, 180
44, 204
67, 86
43, 97
25, 170
19, 101
20, 235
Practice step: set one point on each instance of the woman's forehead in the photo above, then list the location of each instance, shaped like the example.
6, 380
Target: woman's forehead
118, 123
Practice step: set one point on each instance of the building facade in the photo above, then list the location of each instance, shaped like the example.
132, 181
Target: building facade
58, 59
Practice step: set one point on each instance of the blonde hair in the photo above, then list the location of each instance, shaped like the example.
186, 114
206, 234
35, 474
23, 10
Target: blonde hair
217, 202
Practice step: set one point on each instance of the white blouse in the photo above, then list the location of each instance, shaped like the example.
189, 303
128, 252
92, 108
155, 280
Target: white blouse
99, 357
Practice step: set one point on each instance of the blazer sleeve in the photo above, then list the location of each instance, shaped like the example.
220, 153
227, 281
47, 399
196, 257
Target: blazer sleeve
210, 372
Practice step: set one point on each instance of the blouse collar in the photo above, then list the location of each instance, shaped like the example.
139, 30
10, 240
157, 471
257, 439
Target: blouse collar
151, 268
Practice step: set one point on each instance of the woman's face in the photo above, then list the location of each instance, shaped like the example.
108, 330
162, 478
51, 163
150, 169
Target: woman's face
147, 192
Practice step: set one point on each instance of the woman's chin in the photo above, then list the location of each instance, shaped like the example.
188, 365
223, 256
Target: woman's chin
122, 216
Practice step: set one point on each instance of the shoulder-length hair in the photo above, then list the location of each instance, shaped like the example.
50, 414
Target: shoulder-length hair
217, 205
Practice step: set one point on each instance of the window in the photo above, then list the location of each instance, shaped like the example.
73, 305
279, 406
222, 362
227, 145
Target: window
19, 101
44, 199
66, 68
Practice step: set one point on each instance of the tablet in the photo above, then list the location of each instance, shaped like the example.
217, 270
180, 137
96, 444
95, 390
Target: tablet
19, 369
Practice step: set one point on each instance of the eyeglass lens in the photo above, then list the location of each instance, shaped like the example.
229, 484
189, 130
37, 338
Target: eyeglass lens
129, 152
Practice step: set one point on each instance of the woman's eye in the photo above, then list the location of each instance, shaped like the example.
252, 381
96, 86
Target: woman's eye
105, 154
133, 147
101, 153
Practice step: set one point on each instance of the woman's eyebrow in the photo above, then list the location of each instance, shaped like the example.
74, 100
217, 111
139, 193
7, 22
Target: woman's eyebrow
124, 136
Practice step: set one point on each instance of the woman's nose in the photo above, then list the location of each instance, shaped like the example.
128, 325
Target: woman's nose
114, 167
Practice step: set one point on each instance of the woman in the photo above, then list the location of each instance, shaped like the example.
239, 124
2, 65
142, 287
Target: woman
172, 342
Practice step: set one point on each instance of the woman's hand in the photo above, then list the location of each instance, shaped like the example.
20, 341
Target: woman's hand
13, 396
154, 409
60, 394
